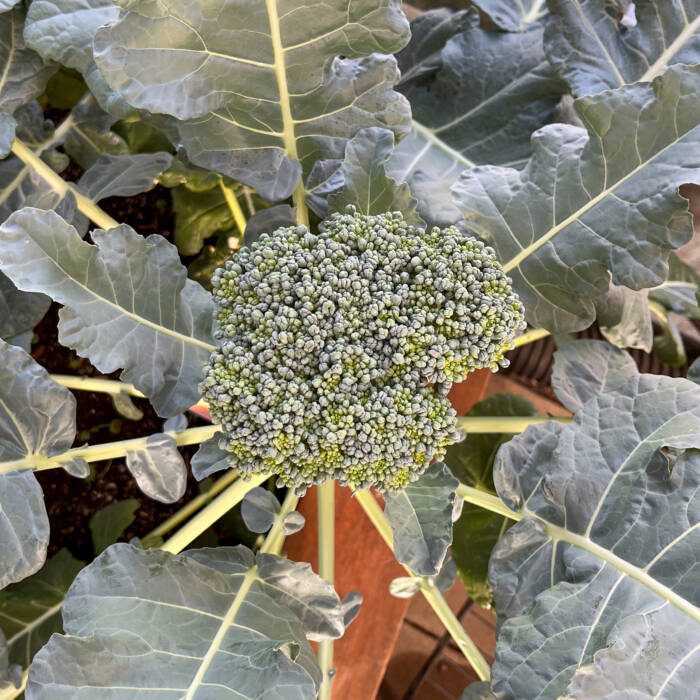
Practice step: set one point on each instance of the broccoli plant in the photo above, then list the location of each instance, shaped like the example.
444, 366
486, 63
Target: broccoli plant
365, 212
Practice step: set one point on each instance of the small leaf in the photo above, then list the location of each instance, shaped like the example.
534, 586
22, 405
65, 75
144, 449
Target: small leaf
668, 345
259, 509
110, 522
175, 424
210, 458
125, 406
586, 368
268, 221
7, 133
123, 175
479, 690
160, 339
420, 516
198, 216
404, 587
352, 603
694, 371
77, 467
513, 16
366, 184
448, 573
624, 318
37, 417
293, 522
159, 469
680, 291
19, 312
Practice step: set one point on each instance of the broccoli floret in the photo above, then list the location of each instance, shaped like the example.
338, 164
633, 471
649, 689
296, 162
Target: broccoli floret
337, 349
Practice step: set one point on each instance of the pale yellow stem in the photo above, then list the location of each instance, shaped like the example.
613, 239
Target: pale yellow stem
326, 556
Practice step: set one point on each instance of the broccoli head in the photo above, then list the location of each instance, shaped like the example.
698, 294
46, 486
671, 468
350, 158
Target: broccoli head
336, 350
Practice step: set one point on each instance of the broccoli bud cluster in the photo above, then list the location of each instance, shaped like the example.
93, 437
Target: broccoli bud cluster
337, 349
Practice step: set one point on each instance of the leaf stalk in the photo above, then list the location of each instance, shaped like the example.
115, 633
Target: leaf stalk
429, 590
326, 565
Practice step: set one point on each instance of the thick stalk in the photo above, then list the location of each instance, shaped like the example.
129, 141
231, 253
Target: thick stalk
191, 508
104, 386
61, 187
233, 205
274, 542
504, 424
326, 555
110, 450
487, 501
430, 592
221, 505
530, 337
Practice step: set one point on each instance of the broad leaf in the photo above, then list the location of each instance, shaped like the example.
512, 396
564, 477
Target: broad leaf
123, 175
366, 185
264, 89
471, 461
37, 419
420, 516
259, 509
268, 221
593, 51
30, 611
62, 30
247, 620
596, 582
513, 15
580, 212
127, 302
668, 344
489, 92
24, 74
585, 368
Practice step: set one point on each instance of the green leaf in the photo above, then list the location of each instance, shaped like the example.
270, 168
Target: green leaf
161, 339
159, 468
19, 312
679, 292
513, 16
30, 611
420, 516
247, 619
24, 73
471, 461
123, 175
259, 509
210, 458
585, 368
624, 318
37, 418
580, 212
267, 221
62, 30
479, 104
593, 51
110, 522
198, 216
594, 585
264, 89
7, 133
366, 184
668, 345
479, 690
694, 372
